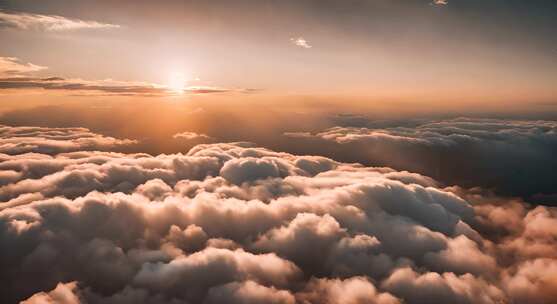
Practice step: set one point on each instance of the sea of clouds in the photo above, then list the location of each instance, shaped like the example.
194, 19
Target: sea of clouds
513, 157
235, 223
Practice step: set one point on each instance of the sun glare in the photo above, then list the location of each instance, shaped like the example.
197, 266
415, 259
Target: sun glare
177, 83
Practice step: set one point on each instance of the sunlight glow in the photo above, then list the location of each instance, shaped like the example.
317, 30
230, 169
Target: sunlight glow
177, 83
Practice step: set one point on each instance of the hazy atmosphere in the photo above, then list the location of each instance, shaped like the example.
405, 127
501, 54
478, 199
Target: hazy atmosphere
263, 151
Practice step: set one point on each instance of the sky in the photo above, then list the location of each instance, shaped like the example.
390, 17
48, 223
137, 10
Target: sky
278, 151
454, 51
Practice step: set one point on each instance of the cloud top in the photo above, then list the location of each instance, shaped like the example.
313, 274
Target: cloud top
250, 225
502, 154
19, 140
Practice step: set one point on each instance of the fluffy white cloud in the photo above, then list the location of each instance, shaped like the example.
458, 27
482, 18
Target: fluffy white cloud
249, 225
533, 281
350, 291
432, 287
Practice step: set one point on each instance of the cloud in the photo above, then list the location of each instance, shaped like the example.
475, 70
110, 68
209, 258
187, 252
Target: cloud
250, 225
502, 154
301, 42
192, 136
533, 281
17, 78
78, 85
19, 140
350, 291
440, 2
323, 232
104, 87
26, 21
248, 292
214, 266
62, 294
433, 287
12, 66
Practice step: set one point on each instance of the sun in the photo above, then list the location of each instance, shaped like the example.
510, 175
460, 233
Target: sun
176, 83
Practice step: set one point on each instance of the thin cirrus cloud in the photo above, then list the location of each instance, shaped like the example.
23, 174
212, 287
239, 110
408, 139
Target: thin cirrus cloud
232, 223
13, 66
107, 87
62, 84
16, 75
27, 21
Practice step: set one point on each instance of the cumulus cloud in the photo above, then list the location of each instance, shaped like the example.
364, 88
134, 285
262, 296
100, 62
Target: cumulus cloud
502, 154
432, 287
350, 291
248, 292
242, 224
62, 294
26, 21
533, 281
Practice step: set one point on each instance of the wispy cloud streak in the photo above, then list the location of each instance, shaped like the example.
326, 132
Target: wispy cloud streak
16, 75
108, 86
13, 66
26, 21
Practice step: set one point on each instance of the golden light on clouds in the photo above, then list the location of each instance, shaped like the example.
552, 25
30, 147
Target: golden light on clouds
281, 152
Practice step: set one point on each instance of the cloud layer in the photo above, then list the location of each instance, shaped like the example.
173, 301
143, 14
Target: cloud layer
16, 76
515, 157
12, 66
19, 140
241, 224
104, 87
26, 21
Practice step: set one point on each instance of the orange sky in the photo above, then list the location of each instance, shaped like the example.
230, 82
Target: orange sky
363, 51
